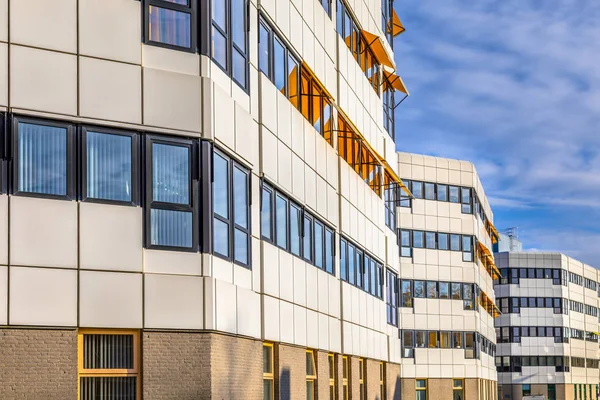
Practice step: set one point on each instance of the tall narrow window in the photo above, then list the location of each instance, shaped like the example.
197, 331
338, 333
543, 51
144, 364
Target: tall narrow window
109, 365
343, 260
332, 376
329, 250
110, 166
311, 375
230, 38
319, 248
171, 23
268, 372
170, 199
382, 380
43, 156
281, 220
295, 229
421, 386
345, 371
308, 238
266, 213
361, 378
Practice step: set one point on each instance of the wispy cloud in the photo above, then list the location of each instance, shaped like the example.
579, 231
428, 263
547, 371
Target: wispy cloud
513, 86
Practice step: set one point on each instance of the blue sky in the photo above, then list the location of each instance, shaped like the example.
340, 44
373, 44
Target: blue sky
514, 87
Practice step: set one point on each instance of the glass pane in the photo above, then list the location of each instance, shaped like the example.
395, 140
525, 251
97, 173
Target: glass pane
170, 173
240, 197
343, 261
108, 166
308, 239
238, 23
453, 194
310, 366
171, 228
239, 68
295, 224
219, 47
279, 65
318, 245
293, 70
455, 242
169, 26
421, 383
310, 390
241, 246
265, 214
442, 192
443, 241
268, 389
42, 159
263, 51
221, 237
182, 2
267, 359
221, 186
281, 206
329, 251
219, 8
418, 239
351, 261
430, 240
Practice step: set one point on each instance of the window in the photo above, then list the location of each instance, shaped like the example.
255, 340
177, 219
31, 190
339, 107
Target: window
231, 205
407, 294
362, 373
465, 199
470, 345
171, 23
432, 290
421, 386
405, 244
43, 158
266, 211
345, 392
387, 26
391, 297
429, 191
230, 38
281, 220
433, 339
456, 291
408, 344
442, 192
382, 380
390, 195
315, 105
332, 376
278, 63
109, 362
326, 6
455, 242
430, 241
526, 390
295, 229
311, 375
171, 202
445, 342
109, 165
444, 290
467, 248
268, 372
453, 194
457, 389
418, 239
389, 106
443, 241
363, 271
417, 189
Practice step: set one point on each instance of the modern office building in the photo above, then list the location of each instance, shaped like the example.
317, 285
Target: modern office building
508, 241
547, 334
447, 305
199, 200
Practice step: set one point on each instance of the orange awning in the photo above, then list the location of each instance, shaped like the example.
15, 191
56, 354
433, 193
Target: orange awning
495, 235
375, 43
397, 28
395, 81
490, 259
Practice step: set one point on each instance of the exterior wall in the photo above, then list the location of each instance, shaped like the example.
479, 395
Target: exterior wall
393, 381
38, 364
439, 389
291, 364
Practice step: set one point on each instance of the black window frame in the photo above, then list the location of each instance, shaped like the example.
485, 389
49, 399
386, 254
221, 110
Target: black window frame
191, 9
231, 46
232, 226
193, 206
4, 152
135, 164
392, 296
71, 164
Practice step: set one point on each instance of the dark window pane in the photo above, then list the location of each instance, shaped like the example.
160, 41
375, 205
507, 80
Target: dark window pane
444, 290
318, 245
219, 8
281, 207
241, 246
240, 197
239, 68
221, 237
329, 251
419, 289
174, 228
265, 214
221, 186
169, 26
405, 238
343, 260
417, 189
295, 229
42, 159
308, 241
170, 175
351, 261
238, 23
108, 166
279, 65
264, 50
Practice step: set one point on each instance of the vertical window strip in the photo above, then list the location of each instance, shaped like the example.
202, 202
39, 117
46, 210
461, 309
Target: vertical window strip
345, 374
311, 375
268, 372
332, 376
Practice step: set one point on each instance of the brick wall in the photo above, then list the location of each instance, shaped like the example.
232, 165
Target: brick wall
372, 380
323, 374
440, 389
292, 372
408, 389
393, 381
236, 368
176, 365
471, 388
38, 364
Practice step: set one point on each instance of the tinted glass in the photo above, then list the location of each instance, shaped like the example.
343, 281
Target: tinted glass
318, 245
238, 23
221, 186
455, 242
329, 251
239, 68
430, 191
219, 48
170, 174
108, 166
219, 8
443, 241
265, 214
442, 192
264, 50
240, 197
453, 195
172, 228
430, 240
279, 65
308, 234
418, 239
240, 240
169, 26
281, 221
42, 159
295, 229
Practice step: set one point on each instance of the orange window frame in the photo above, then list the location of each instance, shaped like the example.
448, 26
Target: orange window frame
117, 373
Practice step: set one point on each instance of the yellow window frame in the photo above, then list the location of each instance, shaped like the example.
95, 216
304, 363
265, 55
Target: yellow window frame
361, 377
382, 379
345, 371
312, 377
332, 375
270, 376
134, 372
422, 389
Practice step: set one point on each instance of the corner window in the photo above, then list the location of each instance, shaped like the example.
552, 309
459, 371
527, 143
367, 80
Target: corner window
230, 38
231, 209
171, 23
109, 164
43, 158
170, 201
109, 363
